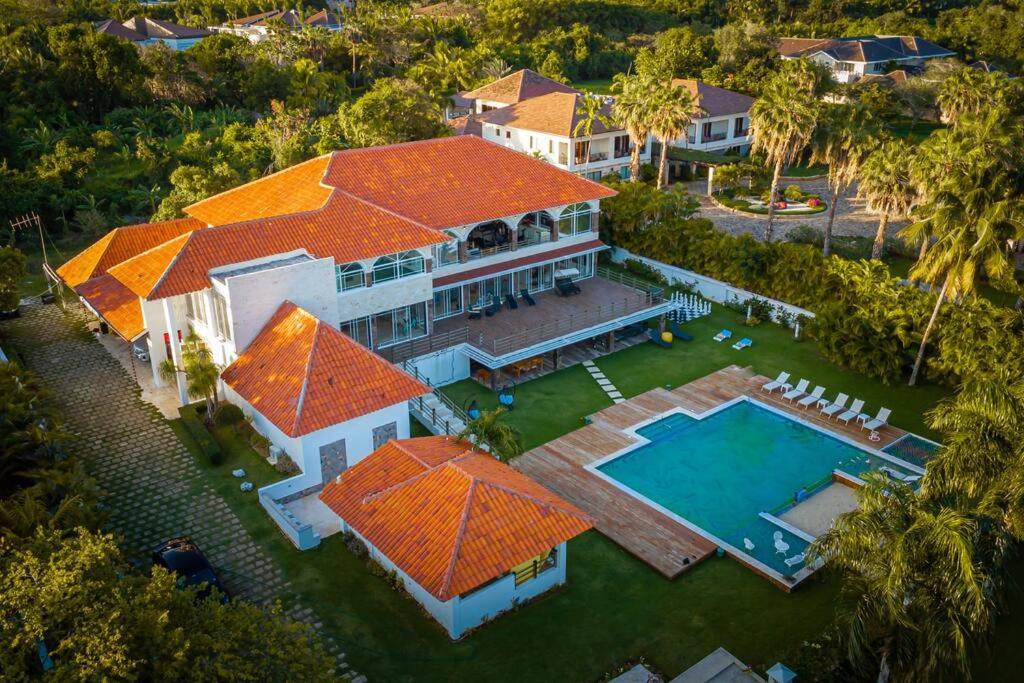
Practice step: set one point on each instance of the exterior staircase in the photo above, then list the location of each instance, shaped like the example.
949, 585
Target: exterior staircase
435, 411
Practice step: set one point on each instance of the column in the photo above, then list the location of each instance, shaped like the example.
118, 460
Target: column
514, 238
463, 252
172, 329
711, 179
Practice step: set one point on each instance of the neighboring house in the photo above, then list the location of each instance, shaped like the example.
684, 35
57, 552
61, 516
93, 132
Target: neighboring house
893, 79
258, 26
399, 247
538, 116
721, 120
850, 59
468, 536
146, 31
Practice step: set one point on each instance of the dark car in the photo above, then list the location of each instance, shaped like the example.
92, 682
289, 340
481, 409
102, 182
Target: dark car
184, 558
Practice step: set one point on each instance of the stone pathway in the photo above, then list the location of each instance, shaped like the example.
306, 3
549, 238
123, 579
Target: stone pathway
151, 486
606, 384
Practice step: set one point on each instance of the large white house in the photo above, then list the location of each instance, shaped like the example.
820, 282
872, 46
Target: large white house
850, 59
721, 119
444, 257
257, 27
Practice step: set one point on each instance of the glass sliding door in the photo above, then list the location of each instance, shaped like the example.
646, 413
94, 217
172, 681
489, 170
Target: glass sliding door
447, 302
401, 324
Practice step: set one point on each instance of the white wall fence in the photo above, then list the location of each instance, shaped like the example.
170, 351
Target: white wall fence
712, 289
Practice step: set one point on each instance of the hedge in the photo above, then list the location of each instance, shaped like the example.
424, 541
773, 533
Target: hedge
201, 435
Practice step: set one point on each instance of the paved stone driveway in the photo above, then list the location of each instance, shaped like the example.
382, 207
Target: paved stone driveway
151, 485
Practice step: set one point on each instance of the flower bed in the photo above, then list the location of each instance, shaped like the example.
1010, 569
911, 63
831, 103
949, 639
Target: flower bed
793, 202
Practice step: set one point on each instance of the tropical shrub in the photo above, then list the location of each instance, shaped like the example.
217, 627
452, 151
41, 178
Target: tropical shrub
227, 414
793, 193
12, 271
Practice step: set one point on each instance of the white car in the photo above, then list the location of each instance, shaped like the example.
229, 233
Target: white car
141, 350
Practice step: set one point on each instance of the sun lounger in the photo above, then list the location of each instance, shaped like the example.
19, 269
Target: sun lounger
655, 338
854, 411
723, 335
781, 547
830, 409
743, 343
525, 296
678, 333
495, 306
880, 420
795, 560
780, 382
510, 301
798, 391
812, 397
899, 476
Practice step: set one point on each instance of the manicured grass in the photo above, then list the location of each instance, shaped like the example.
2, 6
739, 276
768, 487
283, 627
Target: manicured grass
601, 86
802, 170
913, 132
685, 154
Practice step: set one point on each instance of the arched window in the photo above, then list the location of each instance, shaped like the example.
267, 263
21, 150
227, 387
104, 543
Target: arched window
349, 276
410, 263
575, 219
388, 268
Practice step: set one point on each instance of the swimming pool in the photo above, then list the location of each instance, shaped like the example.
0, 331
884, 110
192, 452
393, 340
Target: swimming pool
726, 474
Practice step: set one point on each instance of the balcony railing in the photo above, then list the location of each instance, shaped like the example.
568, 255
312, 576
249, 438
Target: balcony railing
715, 137
596, 156
484, 252
420, 347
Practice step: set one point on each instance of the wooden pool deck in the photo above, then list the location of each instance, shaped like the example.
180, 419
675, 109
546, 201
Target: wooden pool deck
658, 540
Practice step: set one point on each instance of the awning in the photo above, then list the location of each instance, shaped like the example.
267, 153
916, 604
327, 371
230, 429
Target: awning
515, 264
115, 304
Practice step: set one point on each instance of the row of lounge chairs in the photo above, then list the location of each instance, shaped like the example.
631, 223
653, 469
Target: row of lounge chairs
744, 343
475, 312
834, 408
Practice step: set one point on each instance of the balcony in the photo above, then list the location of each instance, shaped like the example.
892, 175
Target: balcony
596, 156
715, 137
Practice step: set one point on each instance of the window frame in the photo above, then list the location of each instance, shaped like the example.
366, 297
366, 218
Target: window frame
347, 270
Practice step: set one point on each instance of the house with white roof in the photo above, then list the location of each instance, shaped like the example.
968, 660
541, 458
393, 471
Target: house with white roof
850, 59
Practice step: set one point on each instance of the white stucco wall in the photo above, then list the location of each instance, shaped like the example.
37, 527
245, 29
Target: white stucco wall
545, 146
379, 298
443, 367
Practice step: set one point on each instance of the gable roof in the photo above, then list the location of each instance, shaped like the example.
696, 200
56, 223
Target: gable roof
518, 86
115, 28
484, 517
304, 375
872, 48
713, 101
555, 113
288, 17
114, 303
155, 28
897, 77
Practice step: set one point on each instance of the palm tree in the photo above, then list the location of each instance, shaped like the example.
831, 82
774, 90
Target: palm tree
674, 112
488, 432
885, 183
842, 141
589, 111
782, 121
914, 595
970, 92
201, 373
634, 110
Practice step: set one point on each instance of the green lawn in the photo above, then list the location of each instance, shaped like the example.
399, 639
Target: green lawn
802, 170
600, 86
913, 132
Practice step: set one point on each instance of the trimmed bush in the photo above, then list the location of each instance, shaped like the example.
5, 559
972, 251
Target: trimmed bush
201, 435
793, 193
227, 415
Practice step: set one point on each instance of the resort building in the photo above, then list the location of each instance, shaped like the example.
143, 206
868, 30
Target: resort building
541, 117
492, 540
146, 31
850, 59
438, 259
257, 27
721, 121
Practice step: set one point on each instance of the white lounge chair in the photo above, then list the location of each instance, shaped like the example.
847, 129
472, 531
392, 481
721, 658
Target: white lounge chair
812, 397
880, 420
780, 382
748, 544
795, 560
854, 411
744, 343
800, 390
835, 406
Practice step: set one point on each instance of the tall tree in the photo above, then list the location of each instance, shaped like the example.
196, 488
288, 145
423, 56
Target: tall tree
201, 373
590, 110
674, 110
633, 109
845, 135
970, 92
885, 183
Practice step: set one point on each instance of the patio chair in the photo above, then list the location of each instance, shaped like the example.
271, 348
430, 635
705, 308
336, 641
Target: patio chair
800, 390
510, 299
525, 296
813, 397
723, 335
677, 332
854, 411
780, 382
880, 420
475, 312
655, 338
744, 343
495, 306
830, 409
893, 473
795, 560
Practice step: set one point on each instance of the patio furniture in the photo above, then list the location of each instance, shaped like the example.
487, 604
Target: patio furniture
723, 335
655, 337
880, 420
780, 382
795, 560
527, 365
525, 296
483, 375
495, 306
800, 390
511, 301
812, 397
630, 331
744, 343
854, 411
781, 547
899, 476
475, 312
677, 331
830, 409
566, 287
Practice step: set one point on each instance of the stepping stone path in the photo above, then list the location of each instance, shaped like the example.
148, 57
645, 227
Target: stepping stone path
606, 384
151, 486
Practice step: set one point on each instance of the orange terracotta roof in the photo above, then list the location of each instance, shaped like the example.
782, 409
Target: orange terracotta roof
518, 86
455, 181
114, 303
304, 375
142, 273
556, 113
450, 518
120, 244
292, 190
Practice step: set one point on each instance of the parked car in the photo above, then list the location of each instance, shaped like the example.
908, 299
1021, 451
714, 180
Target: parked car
141, 350
184, 558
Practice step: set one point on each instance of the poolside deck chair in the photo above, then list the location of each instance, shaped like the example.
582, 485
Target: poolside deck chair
830, 409
781, 547
525, 296
780, 382
798, 391
880, 420
813, 397
678, 333
854, 411
475, 312
723, 335
795, 560
655, 338
510, 300
744, 343
899, 476
495, 306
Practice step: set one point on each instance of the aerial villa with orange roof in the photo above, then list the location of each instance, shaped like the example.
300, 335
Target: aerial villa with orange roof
493, 537
445, 258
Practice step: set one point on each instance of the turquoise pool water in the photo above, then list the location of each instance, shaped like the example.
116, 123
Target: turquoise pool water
720, 472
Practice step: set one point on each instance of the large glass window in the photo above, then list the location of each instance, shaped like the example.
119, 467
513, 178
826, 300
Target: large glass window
536, 279
575, 219
388, 268
447, 302
401, 324
447, 253
584, 264
220, 313
563, 153
349, 276
358, 329
194, 306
